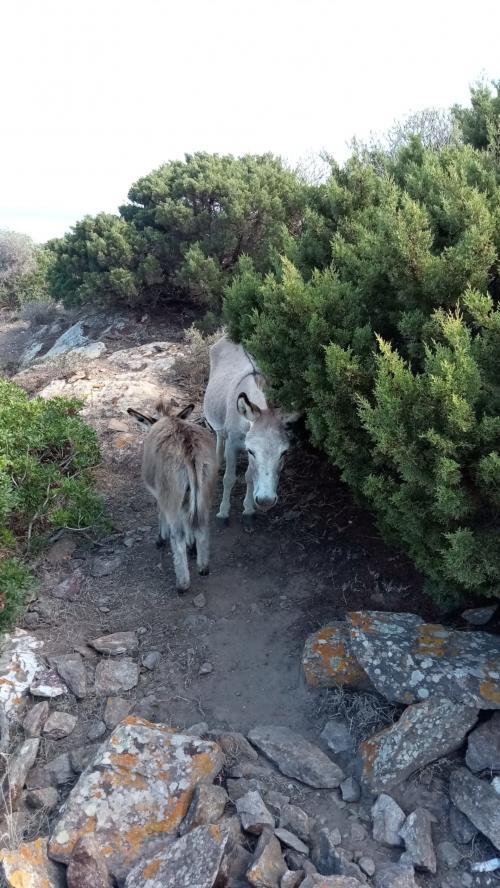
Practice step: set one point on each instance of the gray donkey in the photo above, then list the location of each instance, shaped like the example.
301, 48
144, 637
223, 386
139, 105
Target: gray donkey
235, 407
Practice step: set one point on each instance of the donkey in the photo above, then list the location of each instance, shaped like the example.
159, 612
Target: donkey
235, 407
179, 468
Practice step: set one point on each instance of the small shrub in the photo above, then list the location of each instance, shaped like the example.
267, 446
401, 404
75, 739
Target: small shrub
192, 369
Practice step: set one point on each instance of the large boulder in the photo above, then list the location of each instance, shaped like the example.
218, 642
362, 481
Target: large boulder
425, 732
329, 660
135, 793
296, 757
192, 861
478, 801
409, 660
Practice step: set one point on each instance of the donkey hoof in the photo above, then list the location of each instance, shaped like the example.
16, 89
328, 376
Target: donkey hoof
204, 571
248, 519
160, 542
223, 520
181, 590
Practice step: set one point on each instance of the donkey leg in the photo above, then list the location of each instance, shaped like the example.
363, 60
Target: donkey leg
179, 553
202, 549
221, 438
163, 531
229, 479
248, 502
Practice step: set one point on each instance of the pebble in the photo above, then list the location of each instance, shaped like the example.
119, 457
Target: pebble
350, 789
199, 600
59, 725
151, 659
35, 719
97, 729
205, 668
102, 566
367, 865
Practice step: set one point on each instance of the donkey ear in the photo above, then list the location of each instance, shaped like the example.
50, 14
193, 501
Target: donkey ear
290, 418
141, 417
245, 407
185, 412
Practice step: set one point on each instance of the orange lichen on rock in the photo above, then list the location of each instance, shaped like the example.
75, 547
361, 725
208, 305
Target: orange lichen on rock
432, 639
328, 660
490, 691
29, 867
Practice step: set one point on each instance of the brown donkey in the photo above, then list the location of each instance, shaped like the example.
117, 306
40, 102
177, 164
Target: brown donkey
179, 468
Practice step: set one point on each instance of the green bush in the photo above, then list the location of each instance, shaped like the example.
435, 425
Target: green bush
383, 324
46, 456
24, 270
182, 233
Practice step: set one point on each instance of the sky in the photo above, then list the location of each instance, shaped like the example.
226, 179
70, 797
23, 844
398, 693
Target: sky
97, 93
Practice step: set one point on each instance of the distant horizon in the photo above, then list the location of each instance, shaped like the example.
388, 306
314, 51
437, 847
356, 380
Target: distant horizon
100, 95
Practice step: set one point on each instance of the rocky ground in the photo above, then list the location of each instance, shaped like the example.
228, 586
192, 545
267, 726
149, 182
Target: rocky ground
113, 660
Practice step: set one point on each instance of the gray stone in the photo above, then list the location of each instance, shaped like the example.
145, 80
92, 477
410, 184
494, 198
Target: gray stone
47, 798
483, 746
207, 806
55, 773
296, 757
87, 867
248, 769
59, 725
479, 616
71, 669
81, 757
268, 866
478, 801
116, 709
367, 865
388, 818
151, 659
395, 875
358, 832
253, 813
48, 685
350, 789
294, 819
409, 660
449, 854
74, 337
199, 729
290, 840
462, 830
337, 736
134, 795
324, 851
96, 730
114, 676
116, 643
330, 882
236, 789
292, 879
199, 600
20, 763
425, 732
234, 866
193, 861
70, 588
104, 565
35, 719
206, 668
276, 801
417, 835
18, 667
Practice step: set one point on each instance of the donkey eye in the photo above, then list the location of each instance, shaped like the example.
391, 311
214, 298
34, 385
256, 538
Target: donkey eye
250, 452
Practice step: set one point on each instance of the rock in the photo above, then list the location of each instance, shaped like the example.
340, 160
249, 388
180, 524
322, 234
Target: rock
193, 861
234, 866
116, 643
417, 835
350, 789
70, 588
199, 729
337, 736
118, 425
331, 882
207, 806
47, 798
324, 852
248, 769
296, 757
135, 794
253, 813
358, 832
47, 684
61, 551
268, 866
425, 732
233, 744
294, 819
35, 719
199, 600
483, 746
462, 830
388, 818
72, 671
449, 854
367, 865
87, 867
114, 676
104, 565
55, 773
151, 659
97, 729
328, 660
206, 668
81, 757
236, 789
478, 801
291, 841
232, 826
19, 765
479, 616
395, 875
116, 709
409, 660
18, 667
292, 879
29, 867
276, 801
74, 337
59, 725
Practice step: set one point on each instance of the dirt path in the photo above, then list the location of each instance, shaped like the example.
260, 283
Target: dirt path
236, 660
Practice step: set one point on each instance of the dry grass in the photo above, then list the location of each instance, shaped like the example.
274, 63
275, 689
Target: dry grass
38, 313
192, 369
365, 713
